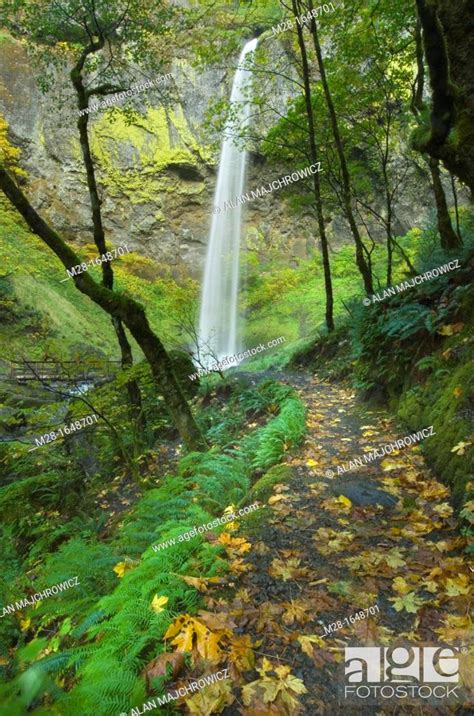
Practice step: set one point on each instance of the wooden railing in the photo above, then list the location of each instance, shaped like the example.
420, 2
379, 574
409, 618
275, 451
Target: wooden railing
62, 371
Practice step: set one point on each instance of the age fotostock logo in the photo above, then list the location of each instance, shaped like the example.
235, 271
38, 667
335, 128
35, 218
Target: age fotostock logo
375, 674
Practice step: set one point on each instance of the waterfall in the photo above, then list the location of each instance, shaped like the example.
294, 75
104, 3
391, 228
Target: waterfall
218, 317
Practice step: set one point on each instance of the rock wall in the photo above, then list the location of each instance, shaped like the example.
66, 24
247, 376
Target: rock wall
156, 174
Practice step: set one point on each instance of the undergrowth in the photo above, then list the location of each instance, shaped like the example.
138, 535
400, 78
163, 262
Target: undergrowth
84, 653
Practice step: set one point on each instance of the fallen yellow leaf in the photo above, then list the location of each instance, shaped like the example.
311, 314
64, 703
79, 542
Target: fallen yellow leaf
158, 603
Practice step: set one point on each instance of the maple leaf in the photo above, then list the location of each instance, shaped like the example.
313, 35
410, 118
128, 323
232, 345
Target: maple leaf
394, 558
443, 510
268, 614
467, 511
241, 653
269, 688
399, 585
451, 329
307, 640
277, 498
217, 621
238, 565
212, 699
286, 570
345, 502
186, 630
457, 585
199, 583
160, 667
122, 567
158, 603
433, 490
460, 448
388, 465
25, 624
234, 545
454, 628
409, 602
367, 631
296, 610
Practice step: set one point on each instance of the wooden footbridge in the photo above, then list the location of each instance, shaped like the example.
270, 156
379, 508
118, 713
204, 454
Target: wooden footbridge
94, 371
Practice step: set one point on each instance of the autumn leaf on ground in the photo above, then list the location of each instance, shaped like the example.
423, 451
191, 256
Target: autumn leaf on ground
277, 498
367, 631
190, 634
286, 570
408, 602
400, 586
308, 640
238, 566
269, 615
211, 699
455, 627
394, 558
443, 510
457, 392
158, 603
241, 653
457, 585
388, 465
329, 540
217, 621
161, 666
200, 583
234, 545
460, 448
276, 684
433, 490
467, 511
122, 567
296, 610
25, 624
337, 504
450, 329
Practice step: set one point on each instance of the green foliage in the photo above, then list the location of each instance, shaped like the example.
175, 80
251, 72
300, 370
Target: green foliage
101, 634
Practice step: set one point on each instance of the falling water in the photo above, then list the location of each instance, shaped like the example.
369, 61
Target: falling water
218, 317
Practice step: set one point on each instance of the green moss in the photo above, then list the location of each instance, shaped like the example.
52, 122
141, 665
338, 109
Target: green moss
5, 38
264, 486
147, 146
434, 403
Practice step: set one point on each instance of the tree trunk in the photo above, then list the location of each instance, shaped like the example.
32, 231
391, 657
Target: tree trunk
449, 50
137, 416
117, 306
133, 389
346, 181
456, 207
316, 180
449, 239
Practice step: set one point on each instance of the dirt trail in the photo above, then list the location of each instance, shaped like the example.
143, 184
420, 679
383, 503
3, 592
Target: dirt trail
379, 536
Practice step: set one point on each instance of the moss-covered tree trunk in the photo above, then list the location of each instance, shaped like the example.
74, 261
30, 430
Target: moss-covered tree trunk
449, 238
449, 50
137, 415
120, 307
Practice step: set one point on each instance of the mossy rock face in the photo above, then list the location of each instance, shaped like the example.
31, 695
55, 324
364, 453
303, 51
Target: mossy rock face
263, 488
183, 367
444, 402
